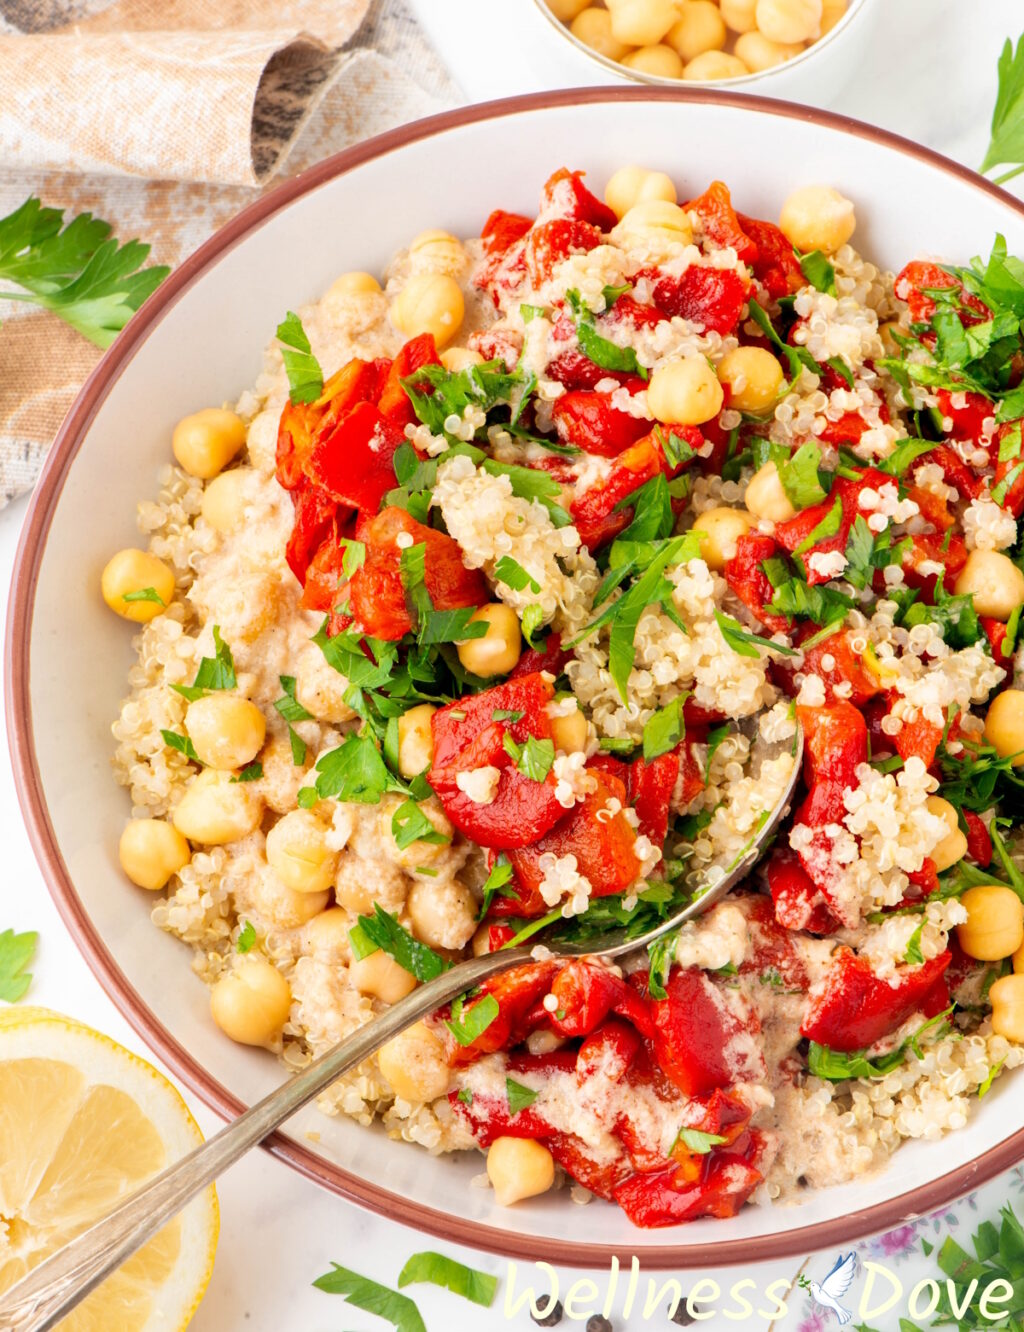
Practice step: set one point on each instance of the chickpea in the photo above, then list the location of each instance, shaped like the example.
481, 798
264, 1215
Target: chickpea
720, 530
570, 732
700, 28
415, 740
298, 853
500, 648
224, 500
282, 906
566, 10
739, 15
789, 20
150, 851
714, 65
685, 391
352, 891
519, 1168
226, 731
631, 185
657, 225
321, 689
759, 52
251, 1004
215, 810
765, 496
593, 27
460, 358
437, 252
994, 927
642, 22
353, 284
1007, 999
130, 572
817, 217
442, 912
754, 377
953, 846
414, 1063
1018, 960
380, 976
660, 61
885, 332
205, 442
416, 853
831, 12
994, 581
429, 303
327, 933
481, 942
1004, 725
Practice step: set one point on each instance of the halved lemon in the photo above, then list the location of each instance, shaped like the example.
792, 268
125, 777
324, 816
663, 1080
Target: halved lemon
83, 1123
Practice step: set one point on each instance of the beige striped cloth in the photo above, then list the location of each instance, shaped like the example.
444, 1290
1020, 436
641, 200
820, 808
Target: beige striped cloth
165, 117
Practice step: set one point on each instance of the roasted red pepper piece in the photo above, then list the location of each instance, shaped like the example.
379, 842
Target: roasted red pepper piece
711, 298
489, 1117
353, 463
749, 581
799, 904
969, 417
587, 993
933, 548
721, 221
376, 591
565, 195
920, 275
979, 843
918, 739
548, 243
995, 632
776, 267
317, 516
600, 1177
727, 1181
593, 512
793, 533
603, 846
466, 736
517, 993
549, 656
503, 229
852, 1008
394, 402
303, 424
846, 668
587, 419
609, 1050
692, 1029
955, 471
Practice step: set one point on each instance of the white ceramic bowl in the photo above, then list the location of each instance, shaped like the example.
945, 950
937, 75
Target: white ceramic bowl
812, 77
199, 341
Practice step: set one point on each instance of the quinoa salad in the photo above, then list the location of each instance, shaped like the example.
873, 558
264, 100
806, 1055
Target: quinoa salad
495, 611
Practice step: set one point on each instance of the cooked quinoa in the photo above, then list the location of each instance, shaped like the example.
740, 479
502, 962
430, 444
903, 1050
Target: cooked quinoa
690, 489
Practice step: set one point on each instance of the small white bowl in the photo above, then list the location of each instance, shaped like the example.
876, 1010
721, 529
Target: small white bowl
813, 76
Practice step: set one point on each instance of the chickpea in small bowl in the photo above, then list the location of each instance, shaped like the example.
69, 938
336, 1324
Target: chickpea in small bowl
708, 41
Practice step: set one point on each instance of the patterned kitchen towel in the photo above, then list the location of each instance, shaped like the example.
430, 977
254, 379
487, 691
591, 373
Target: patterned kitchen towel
165, 117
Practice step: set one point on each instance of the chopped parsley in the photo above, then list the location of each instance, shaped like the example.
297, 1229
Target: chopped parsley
519, 1097
382, 930
513, 575
246, 940
16, 952
699, 1142
467, 1024
746, 644
496, 884
214, 673
439, 1270
837, 1066
604, 353
818, 271
373, 1298
305, 378
173, 740
144, 594
534, 758
664, 729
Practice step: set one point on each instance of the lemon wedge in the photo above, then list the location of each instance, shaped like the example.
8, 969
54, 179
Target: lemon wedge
83, 1123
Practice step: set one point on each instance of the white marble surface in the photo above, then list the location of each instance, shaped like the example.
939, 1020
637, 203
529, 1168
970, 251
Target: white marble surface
933, 79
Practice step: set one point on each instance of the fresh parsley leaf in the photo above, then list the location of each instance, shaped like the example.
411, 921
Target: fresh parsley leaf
859, 548
699, 1142
367, 663
653, 517
664, 729
990, 1077
534, 758
372, 1298
78, 271
913, 952
822, 604
677, 451
662, 953
437, 394
507, 714
797, 358
532, 484
954, 615
828, 527
838, 1066
144, 594
246, 940
305, 378
413, 564
608, 355
16, 952
288, 705
354, 771
466, 1096
746, 644
498, 878
409, 824
181, 743
252, 772
519, 1097
470, 1022
218, 671
818, 271
531, 620
513, 575
439, 1270
615, 744
799, 477
906, 452
1006, 146
715, 737
382, 930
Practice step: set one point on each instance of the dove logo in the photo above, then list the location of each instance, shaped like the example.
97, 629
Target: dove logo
829, 1292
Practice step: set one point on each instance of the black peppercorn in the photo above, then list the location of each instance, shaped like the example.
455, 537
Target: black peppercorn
598, 1323
682, 1316
550, 1319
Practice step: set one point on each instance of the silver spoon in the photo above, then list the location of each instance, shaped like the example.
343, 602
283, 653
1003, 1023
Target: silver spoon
40, 1300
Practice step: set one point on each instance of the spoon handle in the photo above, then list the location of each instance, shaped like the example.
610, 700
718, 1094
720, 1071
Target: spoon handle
40, 1300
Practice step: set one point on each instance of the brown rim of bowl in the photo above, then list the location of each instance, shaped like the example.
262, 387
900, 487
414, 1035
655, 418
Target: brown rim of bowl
456, 1229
